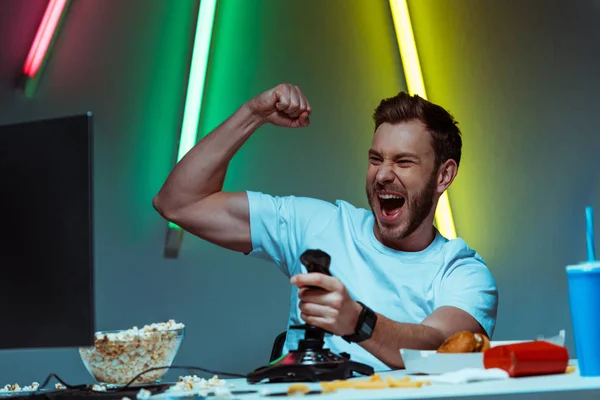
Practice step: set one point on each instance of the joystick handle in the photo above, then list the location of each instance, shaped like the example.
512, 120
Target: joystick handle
316, 261
308, 328
313, 338
311, 332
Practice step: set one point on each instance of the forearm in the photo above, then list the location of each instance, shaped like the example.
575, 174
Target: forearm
201, 172
390, 336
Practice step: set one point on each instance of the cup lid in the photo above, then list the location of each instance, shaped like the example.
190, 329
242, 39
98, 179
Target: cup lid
584, 266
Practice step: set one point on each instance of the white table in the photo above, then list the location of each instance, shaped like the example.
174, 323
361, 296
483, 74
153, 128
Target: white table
568, 386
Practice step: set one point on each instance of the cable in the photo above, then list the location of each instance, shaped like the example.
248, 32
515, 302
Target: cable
132, 381
208, 371
53, 375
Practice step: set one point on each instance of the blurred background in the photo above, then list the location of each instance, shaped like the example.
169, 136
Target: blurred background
520, 76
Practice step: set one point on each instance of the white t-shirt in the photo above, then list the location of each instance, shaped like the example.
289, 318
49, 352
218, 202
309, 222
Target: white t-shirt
402, 286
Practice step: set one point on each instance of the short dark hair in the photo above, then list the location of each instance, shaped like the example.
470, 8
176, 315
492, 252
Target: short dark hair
445, 134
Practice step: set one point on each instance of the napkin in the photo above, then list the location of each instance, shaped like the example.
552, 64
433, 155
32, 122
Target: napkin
467, 375
558, 340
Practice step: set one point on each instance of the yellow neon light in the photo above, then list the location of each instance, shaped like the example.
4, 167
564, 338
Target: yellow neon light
414, 80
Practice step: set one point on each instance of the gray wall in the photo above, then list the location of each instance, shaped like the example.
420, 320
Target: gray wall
130, 67
519, 77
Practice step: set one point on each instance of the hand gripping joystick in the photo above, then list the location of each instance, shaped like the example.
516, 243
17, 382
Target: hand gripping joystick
311, 361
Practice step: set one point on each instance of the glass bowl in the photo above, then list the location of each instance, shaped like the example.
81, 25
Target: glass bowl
119, 356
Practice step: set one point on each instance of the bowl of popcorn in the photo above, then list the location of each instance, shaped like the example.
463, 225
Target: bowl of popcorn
117, 357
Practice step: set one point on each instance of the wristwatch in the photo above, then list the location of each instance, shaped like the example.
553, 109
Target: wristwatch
364, 326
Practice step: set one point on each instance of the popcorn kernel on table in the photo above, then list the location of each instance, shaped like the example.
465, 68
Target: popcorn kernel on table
194, 383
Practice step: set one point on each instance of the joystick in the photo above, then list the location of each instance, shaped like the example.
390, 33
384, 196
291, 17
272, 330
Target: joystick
310, 361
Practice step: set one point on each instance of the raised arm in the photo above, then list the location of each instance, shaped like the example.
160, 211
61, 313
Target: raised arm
193, 197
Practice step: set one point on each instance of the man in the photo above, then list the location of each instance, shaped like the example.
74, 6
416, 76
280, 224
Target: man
397, 283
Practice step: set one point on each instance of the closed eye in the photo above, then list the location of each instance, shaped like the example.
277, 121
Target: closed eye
375, 160
405, 162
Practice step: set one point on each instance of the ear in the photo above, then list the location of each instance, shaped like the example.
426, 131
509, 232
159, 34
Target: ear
446, 174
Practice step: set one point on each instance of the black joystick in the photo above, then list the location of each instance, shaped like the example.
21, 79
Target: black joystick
316, 261
311, 361
313, 338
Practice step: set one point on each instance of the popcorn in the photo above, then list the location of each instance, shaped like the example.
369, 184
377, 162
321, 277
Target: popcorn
33, 387
215, 381
143, 394
59, 386
117, 357
193, 383
222, 393
98, 388
16, 388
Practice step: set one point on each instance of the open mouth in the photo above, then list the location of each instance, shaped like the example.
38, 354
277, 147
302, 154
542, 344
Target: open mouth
391, 204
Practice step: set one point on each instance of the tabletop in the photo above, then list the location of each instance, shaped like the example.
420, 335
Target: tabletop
564, 386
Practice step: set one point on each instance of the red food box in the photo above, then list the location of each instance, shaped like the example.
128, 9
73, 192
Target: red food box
528, 358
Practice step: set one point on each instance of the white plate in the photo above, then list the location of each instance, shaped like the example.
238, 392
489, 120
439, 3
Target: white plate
432, 362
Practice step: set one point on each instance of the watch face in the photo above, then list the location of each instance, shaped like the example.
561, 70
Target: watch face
367, 329
364, 326
369, 323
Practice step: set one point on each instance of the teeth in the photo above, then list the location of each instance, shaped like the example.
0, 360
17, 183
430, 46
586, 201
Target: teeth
389, 197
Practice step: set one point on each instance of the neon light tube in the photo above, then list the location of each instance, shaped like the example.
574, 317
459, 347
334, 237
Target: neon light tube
196, 80
195, 90
43, 37
414, 80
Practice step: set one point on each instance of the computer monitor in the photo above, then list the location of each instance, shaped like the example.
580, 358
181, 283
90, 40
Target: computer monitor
46, 234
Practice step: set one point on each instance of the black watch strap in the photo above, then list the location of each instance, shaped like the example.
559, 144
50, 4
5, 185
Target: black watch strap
364, 326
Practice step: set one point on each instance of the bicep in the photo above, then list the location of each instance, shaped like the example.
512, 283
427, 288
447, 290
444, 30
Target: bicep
449, 320
222, 218
466, 299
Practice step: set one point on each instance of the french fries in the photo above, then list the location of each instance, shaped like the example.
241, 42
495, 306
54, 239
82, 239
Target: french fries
370, 385
373, 382
297, 389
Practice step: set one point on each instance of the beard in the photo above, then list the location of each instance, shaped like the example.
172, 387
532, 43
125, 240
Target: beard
417, 208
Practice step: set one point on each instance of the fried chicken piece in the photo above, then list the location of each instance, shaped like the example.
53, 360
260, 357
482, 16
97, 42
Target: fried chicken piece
483, 343
465, 342
460, 342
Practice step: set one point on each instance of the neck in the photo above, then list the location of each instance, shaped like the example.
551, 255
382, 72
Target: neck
419, 240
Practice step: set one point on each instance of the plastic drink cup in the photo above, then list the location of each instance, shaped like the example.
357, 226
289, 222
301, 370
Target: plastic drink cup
584, 299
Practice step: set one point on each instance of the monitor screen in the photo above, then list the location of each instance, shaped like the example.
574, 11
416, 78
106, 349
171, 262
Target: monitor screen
46, 233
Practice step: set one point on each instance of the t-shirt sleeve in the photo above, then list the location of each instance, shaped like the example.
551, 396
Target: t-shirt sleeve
279, 226
469, 285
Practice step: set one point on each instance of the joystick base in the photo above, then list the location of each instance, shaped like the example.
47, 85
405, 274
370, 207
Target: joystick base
310, 363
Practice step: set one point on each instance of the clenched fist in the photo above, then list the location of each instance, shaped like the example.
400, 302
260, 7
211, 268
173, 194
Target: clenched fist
284, 105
